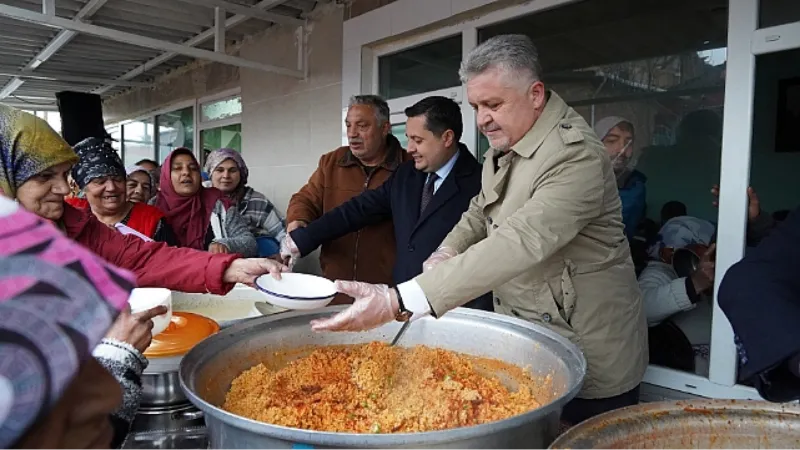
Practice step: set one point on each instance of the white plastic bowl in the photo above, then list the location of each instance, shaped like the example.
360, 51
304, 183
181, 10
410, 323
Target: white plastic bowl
297, 290
142, 299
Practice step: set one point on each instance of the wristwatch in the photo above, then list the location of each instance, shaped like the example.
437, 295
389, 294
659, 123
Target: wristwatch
403, 313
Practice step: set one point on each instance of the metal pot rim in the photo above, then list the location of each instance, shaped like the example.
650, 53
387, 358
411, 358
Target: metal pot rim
706, 408
382, 440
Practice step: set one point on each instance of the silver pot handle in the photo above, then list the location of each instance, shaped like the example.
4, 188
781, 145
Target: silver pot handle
187, 415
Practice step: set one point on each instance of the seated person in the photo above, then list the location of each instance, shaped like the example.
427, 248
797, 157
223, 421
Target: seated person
670, 291
617, 135
424, 198
140, 184
229, 174
100, 175
760, 295
202, 218
674, 293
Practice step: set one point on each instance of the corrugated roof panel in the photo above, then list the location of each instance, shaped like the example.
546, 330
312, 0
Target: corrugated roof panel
169, 20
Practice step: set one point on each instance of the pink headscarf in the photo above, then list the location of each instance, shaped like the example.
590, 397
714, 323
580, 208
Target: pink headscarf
189, 217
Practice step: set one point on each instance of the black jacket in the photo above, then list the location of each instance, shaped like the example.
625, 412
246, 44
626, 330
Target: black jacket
760, 295
399, 199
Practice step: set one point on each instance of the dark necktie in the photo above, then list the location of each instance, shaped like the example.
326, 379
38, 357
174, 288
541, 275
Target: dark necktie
427, 192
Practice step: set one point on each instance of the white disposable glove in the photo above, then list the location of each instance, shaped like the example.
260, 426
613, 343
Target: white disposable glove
375, 305
289, 251
440, 255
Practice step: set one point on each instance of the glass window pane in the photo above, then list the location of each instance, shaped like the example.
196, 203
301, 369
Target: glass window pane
229, 136
776, 114
138, 143
668, 88
421, 69
777, 12
221, 109
53, 119
399, 131
175, 129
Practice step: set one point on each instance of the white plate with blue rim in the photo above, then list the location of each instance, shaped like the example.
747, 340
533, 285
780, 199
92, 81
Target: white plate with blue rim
298, 291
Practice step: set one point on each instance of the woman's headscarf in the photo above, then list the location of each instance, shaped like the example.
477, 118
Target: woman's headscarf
97, 159
217, 157
57, 301
151, 174
623, 166
189, 217
680, 232
28, 146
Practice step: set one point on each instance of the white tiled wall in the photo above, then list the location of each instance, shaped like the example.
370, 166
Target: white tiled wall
287, 124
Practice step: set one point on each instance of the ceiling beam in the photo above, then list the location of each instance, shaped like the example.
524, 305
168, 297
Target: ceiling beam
141, 41
32, 106
71, 79
197, 40
57, 43
249, 11
219, 30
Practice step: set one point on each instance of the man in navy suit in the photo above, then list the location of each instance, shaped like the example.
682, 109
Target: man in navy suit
424, 197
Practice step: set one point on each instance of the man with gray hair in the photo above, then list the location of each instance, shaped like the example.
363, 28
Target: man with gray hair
545, 233
371, 157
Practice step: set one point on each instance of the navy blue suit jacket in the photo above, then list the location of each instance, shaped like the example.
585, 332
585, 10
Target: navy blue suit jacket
398, 199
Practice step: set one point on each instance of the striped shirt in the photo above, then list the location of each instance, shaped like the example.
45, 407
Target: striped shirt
261, 215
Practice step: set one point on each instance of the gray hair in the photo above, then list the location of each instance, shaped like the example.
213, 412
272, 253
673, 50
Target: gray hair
376, 102
514, 54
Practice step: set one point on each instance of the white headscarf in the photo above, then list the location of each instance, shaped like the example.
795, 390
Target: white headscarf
680, 232
623, 166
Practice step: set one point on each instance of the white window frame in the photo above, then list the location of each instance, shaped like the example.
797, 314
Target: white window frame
374, 34
205, 125
198, 125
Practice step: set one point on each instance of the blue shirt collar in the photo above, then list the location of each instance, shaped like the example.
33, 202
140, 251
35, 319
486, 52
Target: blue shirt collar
448, 167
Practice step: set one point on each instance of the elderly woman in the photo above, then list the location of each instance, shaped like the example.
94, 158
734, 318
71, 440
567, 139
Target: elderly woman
57, 301
229, 174
100, 175
617, 134
34, 162
141, 184
202, 218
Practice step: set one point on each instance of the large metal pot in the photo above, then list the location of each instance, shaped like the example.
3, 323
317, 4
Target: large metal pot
162, 389
690, 424
207, 371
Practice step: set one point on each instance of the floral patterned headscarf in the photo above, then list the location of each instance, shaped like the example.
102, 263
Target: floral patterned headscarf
28, 146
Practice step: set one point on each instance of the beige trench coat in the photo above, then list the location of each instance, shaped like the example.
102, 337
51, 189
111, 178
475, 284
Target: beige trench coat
546, 235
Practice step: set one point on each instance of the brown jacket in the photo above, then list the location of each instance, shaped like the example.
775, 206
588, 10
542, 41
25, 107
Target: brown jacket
367, 255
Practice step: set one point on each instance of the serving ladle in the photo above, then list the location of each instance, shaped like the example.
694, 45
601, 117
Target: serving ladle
400, 333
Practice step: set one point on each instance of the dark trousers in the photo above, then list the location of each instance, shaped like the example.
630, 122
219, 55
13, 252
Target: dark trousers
580, 409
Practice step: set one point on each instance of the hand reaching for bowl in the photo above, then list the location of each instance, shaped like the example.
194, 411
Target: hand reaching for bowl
375, 305
289, 251
246, 271
135, 329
